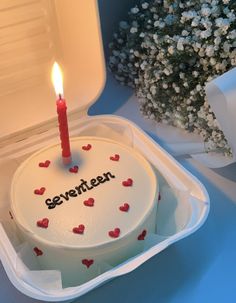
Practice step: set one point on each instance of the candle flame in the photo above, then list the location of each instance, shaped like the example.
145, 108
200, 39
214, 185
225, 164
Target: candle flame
57, 79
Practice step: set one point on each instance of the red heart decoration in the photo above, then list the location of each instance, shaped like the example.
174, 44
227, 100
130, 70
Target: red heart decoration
124, 207
74, 169
87, 147
87, 262
43, 223
40, 191
114, 233
115, 157
142, 235
128, 182
159, 196
89, 202
79, 229
44, 164
38, 251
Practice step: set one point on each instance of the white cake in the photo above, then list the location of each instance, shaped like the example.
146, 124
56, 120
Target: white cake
92, 214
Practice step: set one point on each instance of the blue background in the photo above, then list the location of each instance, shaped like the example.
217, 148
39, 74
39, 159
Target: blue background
199, 268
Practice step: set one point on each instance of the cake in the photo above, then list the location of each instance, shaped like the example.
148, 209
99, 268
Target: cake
90, 215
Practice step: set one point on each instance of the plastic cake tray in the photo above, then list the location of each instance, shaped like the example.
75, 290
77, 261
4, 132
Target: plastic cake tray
32, 35
183, 207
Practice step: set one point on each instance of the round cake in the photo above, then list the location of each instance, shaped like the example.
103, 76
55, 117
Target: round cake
89, 216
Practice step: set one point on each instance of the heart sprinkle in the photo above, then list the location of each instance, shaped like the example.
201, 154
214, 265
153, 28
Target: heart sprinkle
74, 169
40, 191
87, 147
38, 251
128, 182
114, 233
115, 157
87, 262
79, 229
43, 223
124, 207
44, 164
142, 235
89, 202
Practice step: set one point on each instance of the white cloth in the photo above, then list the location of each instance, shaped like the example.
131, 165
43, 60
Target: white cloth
221, 95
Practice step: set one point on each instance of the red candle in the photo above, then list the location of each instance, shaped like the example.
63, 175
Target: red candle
62, 116
63, 128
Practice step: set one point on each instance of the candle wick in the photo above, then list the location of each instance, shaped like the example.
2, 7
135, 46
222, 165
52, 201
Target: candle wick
60, 97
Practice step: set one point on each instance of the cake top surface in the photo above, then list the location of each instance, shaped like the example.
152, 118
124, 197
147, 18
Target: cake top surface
104, 194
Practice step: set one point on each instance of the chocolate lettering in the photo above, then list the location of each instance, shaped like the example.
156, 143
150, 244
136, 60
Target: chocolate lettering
57, 200
94, 182
100, 179
78, 190
106, 175
85, 183
65, 196
72, 193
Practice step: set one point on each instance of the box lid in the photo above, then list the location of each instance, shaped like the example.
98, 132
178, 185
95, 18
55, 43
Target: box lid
33, 34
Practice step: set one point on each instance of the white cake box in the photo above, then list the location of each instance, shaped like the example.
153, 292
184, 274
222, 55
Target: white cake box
33, 35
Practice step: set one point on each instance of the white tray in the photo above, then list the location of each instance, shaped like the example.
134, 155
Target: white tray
183, 207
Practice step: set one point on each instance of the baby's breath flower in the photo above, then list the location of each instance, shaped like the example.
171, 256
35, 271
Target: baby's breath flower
133, 30
134, 10
167, 51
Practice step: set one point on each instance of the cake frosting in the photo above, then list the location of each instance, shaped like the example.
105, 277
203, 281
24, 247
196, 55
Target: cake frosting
95, 211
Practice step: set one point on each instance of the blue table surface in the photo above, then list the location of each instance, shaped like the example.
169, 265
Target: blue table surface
199, 268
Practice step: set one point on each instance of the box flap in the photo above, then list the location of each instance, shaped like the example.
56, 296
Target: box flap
33, 34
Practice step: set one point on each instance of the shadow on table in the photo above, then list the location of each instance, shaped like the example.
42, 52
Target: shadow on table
112, 98
227, 172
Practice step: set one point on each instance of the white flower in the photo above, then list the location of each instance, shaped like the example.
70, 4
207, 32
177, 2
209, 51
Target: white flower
205, 34
231, 16
134, 10
153, 89
198, 88
180, 44
145, 5
223, 23
196, 21
217, 40
205, 11
133, 30
177, 89
226, 47
166, 71
156, 23
171, 49
212, 61
185, 33
164, 85
232, 34
185, 84
209, 50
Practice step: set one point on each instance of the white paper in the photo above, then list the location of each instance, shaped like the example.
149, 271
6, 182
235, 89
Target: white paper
221, 95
